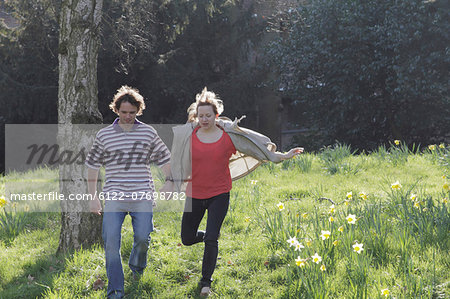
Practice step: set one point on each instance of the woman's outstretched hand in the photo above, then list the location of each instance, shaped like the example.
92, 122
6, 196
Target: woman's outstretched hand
293, 152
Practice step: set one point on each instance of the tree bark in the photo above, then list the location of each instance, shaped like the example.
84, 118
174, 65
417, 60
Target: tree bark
77, 104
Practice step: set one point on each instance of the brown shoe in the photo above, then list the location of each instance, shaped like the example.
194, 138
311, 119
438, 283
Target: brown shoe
205, 291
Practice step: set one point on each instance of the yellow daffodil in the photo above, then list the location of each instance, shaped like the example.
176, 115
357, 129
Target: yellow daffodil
445, 200
325, 234
363, 195
247, 219
441, 145
2, 201
445, 186
413, 196
432, 147
385, 292
335, 242
253, 182
308, 242
305, 215
351, 219
396, 185
397, 142
341, 229
417, 205
323, 268
297, 215
280, 206
292, 241
331, 210
349, 195
357, 247
300, 262
316, 258
347, 202
331, 219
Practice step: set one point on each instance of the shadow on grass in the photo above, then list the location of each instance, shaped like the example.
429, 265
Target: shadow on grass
38, 276
35, 265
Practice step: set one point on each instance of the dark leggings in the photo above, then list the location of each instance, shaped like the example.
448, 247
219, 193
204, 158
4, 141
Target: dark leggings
194, 211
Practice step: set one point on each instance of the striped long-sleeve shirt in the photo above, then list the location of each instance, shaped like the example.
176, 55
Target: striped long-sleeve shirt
126, 156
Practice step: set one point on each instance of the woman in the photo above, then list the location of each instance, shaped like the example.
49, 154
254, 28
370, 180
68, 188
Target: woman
208, 153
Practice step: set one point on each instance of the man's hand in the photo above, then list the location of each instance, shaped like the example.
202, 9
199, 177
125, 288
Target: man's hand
168, 185
167, 188
95, 206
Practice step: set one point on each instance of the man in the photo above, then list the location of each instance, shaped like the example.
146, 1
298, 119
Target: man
126, 148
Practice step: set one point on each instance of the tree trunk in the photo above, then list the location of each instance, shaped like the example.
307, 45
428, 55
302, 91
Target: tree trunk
78, 104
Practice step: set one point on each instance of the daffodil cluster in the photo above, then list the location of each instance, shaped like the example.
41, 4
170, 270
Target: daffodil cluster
293, 242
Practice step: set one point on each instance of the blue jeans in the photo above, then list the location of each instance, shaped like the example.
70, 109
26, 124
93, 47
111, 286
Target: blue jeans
142, 222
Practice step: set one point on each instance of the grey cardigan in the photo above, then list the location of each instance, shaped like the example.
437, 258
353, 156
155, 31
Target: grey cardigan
252, 149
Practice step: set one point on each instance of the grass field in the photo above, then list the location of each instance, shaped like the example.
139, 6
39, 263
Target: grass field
386, 235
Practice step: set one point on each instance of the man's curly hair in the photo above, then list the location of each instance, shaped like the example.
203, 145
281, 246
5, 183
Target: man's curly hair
127, 94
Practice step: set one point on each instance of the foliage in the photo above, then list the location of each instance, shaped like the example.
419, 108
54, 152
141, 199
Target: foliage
28, 69
302, 163
170, 50
28, 73
367, 72
397, 152
11, 223
333, 158
439, 154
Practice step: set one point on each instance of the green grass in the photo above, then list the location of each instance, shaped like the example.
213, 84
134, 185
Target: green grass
406, 247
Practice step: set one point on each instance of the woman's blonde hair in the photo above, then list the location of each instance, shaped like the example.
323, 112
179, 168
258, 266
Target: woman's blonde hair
205, 98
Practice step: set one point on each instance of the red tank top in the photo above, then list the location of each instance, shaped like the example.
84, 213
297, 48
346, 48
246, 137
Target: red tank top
210, 171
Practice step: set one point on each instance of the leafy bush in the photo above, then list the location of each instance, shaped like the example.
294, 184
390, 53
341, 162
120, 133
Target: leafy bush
333, 158
11, 222
367, 71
